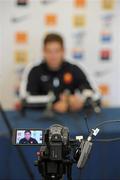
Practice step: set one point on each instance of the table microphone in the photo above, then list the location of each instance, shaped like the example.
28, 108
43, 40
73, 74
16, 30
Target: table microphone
48, 111
91, 100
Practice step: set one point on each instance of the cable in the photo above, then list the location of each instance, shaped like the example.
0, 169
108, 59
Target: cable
106, 140
106, 122
86, 122
109, 139
101, 124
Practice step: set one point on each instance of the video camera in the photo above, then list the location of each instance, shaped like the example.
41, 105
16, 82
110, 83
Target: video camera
58, 152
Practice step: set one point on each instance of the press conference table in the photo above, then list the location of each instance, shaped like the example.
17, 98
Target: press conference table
103, 163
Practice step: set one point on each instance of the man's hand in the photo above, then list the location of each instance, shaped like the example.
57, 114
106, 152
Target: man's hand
60, 106
75, 103
71, 102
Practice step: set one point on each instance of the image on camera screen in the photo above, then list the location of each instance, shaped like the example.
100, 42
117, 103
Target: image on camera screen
28, 137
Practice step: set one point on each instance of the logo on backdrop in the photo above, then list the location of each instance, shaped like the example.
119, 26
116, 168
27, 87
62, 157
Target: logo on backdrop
51, 19
108, 4
21, 57
79, 21
21, 37
18, 19
78, 38
106, 36
78, 54
102, 73
80, 3
104, 89
22, 2
107, 19
105, 54
48, 1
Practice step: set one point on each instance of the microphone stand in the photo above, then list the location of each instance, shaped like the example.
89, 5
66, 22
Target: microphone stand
19, 150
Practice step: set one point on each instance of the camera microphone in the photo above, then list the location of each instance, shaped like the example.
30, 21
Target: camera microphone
85, 151
85, 148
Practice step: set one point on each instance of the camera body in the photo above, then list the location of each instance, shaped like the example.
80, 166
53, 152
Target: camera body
55, 156
57, 142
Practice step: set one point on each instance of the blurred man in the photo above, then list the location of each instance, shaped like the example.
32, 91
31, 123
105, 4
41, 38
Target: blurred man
55, 74
27, 138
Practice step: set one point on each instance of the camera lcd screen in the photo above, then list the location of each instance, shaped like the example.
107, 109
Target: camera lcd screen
28, 137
